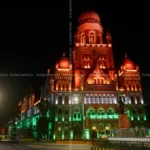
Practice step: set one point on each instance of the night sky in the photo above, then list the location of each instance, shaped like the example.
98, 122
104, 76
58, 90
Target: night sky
33, 39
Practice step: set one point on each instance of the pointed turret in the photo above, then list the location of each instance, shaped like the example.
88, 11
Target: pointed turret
108, 37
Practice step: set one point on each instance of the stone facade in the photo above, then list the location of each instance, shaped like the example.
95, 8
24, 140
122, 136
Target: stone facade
87, 95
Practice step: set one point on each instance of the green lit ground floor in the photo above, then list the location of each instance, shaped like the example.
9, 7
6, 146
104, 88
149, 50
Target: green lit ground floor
88, 134
88, 128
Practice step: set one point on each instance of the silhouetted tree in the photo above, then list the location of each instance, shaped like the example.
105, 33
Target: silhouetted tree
43, 121
42, 126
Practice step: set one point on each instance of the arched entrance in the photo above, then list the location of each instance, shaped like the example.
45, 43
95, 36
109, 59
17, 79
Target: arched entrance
94, 132
66, 133
101, 130
108, 129
77, 132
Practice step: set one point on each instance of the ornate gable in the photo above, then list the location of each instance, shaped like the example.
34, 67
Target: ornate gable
98, 77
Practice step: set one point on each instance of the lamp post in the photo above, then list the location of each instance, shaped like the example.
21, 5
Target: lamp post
82, 104
83, 117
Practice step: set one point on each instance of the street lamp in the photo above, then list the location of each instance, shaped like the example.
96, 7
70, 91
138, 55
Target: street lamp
82, 105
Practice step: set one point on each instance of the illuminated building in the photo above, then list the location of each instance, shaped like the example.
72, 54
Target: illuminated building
90, 97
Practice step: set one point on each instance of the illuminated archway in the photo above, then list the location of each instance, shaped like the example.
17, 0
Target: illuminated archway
91, 113
100, 113
108, 129
101, 130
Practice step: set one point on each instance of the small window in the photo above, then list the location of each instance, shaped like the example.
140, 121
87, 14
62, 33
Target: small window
75, 115
79, 116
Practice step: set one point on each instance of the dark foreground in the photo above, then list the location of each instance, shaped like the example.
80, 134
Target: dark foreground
40, 146
96, 145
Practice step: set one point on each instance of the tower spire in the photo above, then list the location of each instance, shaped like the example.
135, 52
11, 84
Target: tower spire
125, 55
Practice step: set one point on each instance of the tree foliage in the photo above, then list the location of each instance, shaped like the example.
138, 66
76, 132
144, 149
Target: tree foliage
15, 115
43, 107
42, 126
43, 121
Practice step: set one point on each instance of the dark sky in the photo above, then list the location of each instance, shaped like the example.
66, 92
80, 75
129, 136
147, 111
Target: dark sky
33, 39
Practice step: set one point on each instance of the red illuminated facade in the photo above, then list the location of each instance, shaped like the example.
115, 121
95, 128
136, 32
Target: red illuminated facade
92, 88
90, 96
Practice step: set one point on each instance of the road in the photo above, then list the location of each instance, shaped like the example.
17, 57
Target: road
30, 146
13, 146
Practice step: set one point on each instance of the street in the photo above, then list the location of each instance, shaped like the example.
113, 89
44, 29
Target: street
13, 146
41, 146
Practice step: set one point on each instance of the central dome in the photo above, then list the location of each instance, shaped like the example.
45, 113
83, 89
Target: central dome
127, 63
64, 62
89, 15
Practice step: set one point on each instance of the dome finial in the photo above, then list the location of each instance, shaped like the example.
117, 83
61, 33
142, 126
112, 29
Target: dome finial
89, 14
64, 54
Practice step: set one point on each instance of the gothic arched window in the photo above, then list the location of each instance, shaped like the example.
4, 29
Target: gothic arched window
67, 87
66, 100
94, 81
98, 81
138, 100
133, 87
134, 112
59, 111
132, 100
59, 86
91, 38
60, 100
129, 87
83, 38
63, 87
101, 81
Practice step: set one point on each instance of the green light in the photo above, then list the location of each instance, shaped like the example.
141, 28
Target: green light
148, 132
47, 114
27, 124
115, 116
50, 125
63, 135
105, 116
71, 134
145, 117
87, 134
56, 118
63, 118
54, 137
69, 118
128, 112
110, 116
93, 116
99, 117
34, 121
132, 118
77, 117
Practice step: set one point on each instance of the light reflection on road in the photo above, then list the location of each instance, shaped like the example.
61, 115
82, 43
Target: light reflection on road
62, 147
